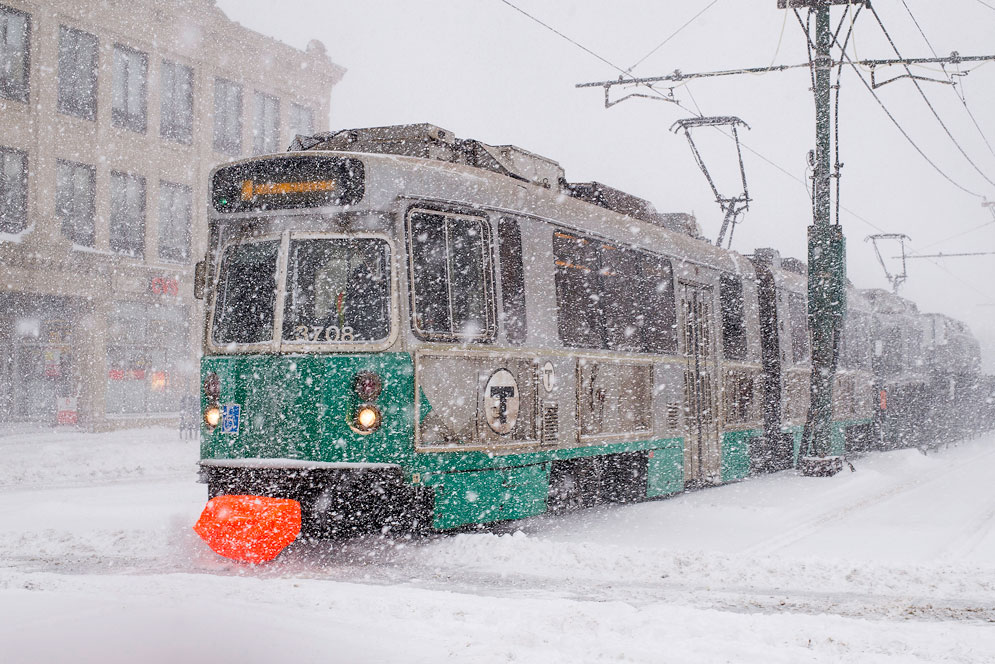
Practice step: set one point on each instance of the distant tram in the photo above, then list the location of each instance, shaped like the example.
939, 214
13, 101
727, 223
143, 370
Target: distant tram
409, 330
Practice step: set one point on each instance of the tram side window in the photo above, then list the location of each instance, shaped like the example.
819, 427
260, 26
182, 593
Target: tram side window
798, 318
855, 345
733, 324
659, 310
512, 281
450, 263
243, 310
613, 297
577, 290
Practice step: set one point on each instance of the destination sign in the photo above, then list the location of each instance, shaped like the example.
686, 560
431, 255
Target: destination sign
283, 183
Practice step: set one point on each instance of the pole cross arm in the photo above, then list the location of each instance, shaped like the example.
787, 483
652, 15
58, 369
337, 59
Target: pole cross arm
684, 123
678, 75
799, 4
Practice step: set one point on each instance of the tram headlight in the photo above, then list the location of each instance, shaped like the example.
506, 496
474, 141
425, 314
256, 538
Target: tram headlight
367, 419
212, 416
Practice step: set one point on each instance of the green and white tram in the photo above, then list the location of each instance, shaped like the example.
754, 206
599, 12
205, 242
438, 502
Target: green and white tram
409, 329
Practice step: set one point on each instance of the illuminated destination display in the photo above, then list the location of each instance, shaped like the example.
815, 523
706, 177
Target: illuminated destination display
288, 183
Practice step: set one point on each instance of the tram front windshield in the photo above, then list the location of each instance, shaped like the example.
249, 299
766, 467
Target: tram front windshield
337, 292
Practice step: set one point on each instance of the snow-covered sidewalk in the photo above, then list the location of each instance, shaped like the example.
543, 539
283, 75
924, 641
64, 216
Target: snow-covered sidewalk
892, 563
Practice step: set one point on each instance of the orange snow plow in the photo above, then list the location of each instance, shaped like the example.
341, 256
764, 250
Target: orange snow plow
251, 529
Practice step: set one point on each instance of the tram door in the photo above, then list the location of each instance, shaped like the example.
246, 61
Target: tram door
702, 457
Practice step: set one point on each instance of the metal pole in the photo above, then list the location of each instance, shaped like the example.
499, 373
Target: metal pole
826, 272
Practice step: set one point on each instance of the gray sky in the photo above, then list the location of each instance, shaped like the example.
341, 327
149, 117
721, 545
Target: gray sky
484, 70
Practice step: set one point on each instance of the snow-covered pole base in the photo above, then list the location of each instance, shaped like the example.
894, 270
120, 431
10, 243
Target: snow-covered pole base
820, 466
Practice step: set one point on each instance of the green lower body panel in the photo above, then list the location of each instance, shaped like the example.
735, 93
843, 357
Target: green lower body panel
489, 495
665, 470
736, 454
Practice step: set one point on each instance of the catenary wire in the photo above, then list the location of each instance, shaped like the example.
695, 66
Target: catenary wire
949, 78
959, 235
891, 117
922, 93
777, 166
672, 35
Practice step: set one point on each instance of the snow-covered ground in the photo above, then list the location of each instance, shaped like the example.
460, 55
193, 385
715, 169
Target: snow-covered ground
892, 563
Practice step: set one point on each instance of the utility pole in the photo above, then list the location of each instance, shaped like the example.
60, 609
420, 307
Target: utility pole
826, 244
826, 260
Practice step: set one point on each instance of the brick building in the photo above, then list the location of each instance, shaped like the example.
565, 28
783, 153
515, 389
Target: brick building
112, 114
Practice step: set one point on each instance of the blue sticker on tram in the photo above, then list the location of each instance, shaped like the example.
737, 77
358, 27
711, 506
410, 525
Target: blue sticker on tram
230, 413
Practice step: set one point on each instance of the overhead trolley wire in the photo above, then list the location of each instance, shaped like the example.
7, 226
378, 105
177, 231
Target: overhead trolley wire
950, 78
897, 124
672, 35
624, 74
961, 234
758, 154
926, 99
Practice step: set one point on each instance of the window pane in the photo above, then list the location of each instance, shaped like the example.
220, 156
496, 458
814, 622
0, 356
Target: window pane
227, 117
577, 296
74, 204
301, 120
130, 68
177, 102
246, 294
659, 326
77, 73
428, 261
798, 319
127, 227
266, 124
13, 191
175, 217
512, 281
14, 29
452, 286
733, 325
338, 291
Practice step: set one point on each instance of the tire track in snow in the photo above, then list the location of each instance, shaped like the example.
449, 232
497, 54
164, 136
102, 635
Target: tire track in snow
813, 525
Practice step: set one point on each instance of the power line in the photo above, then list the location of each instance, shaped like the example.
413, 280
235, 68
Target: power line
577, 44
926, 99
747, 147
674, 34
950, 78
987, 5
902, 129
961, 234
624, 74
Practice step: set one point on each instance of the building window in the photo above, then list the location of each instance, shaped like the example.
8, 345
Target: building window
266, 124
147, 346
74, 187
15, 28
175, 217
130, 69
77, 73
227, 117
733, 319
451, 275
127, 214
13, 191
301, 120
177, 102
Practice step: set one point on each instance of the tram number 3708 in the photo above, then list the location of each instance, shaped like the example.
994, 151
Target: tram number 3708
331, 334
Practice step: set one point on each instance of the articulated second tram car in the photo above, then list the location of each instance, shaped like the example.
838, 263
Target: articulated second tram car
406, 329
